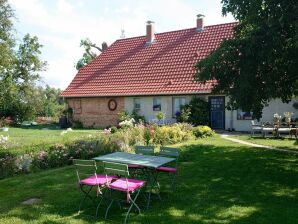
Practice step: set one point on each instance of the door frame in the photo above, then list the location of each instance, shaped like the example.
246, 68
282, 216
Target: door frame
224, 111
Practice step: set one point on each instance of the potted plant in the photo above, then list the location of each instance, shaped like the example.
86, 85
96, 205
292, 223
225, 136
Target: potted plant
288, 117
160, 117
276, 119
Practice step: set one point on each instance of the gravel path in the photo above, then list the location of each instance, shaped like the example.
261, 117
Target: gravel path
230, 138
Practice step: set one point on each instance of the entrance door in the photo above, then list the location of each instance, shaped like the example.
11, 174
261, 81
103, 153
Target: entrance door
217, 112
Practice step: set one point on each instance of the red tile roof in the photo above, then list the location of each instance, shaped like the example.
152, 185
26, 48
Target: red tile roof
129, 67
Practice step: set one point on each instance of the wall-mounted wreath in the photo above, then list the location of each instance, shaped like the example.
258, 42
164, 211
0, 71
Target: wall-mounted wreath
112, 104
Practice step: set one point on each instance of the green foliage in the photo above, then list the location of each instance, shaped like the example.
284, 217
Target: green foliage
197, 111
173, 134
77, 124
203, 131
160, 115
184, 114
123, 115
49, 155
137, 117
20, 65
89, 54
7, 164
260, 62
114, 129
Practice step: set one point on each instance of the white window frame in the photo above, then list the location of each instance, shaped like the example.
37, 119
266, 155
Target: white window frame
155, 104
135, 103
174, 108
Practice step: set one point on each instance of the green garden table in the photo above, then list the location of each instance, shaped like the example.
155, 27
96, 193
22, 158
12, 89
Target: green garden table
135, 159
150, 163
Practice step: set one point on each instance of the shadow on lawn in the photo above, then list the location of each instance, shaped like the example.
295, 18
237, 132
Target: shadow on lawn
215, 185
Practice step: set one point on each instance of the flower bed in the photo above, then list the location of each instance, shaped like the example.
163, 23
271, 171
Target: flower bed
113, 139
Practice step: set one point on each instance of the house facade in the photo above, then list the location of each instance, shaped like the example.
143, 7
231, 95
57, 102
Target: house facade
155, 73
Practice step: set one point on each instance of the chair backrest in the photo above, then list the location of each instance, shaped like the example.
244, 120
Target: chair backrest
169, 152
84, 168
144, 150
117, 169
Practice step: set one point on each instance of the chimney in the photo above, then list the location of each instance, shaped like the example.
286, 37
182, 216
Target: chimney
200, 23
150, 36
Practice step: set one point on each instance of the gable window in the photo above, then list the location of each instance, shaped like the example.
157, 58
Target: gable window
178, 102
156, 104
136, 104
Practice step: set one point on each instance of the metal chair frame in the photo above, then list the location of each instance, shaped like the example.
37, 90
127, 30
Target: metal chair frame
86, 168
121, 170
173, 153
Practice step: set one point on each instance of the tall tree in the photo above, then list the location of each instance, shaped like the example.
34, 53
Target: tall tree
6, 36
89, 53
261, 62
19, 68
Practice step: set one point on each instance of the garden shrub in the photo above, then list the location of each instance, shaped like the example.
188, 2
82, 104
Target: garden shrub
203, 131
7, 164
123, 115
172, 134
199, 111
114, 129
137, 117
23, 163
124, 139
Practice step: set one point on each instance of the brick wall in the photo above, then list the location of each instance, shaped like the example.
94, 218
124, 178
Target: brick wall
95, 111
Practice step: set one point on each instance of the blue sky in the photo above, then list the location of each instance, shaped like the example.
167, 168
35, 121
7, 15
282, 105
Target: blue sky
61, 24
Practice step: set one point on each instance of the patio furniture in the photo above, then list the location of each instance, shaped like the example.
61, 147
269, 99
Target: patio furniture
255, 128
268, 128
284, 130
171, 170
88, 179
294, 131
150, 163
142, 150
125, 184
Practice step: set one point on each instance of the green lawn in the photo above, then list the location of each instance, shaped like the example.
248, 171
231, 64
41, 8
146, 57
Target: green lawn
219, 182
285, 143
28, 139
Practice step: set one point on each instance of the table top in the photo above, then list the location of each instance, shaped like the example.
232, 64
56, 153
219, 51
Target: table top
135, 159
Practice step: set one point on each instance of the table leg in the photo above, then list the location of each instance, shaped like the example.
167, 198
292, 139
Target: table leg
152, 184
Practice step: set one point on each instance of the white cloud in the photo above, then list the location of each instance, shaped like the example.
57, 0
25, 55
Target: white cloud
64, 7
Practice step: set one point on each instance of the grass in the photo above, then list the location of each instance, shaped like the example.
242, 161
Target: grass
219, 182
29, 139
285, 143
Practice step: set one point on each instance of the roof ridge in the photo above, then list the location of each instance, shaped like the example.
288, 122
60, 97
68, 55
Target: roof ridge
172, 31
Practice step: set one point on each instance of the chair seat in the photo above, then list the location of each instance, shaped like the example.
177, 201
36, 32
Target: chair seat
166, 169
100, 180
132, 166
129, 186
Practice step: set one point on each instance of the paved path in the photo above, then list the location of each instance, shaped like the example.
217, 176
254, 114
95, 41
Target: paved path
229, 138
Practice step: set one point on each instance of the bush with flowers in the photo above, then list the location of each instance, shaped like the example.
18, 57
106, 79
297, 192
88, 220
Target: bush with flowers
123, 139
202, 131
